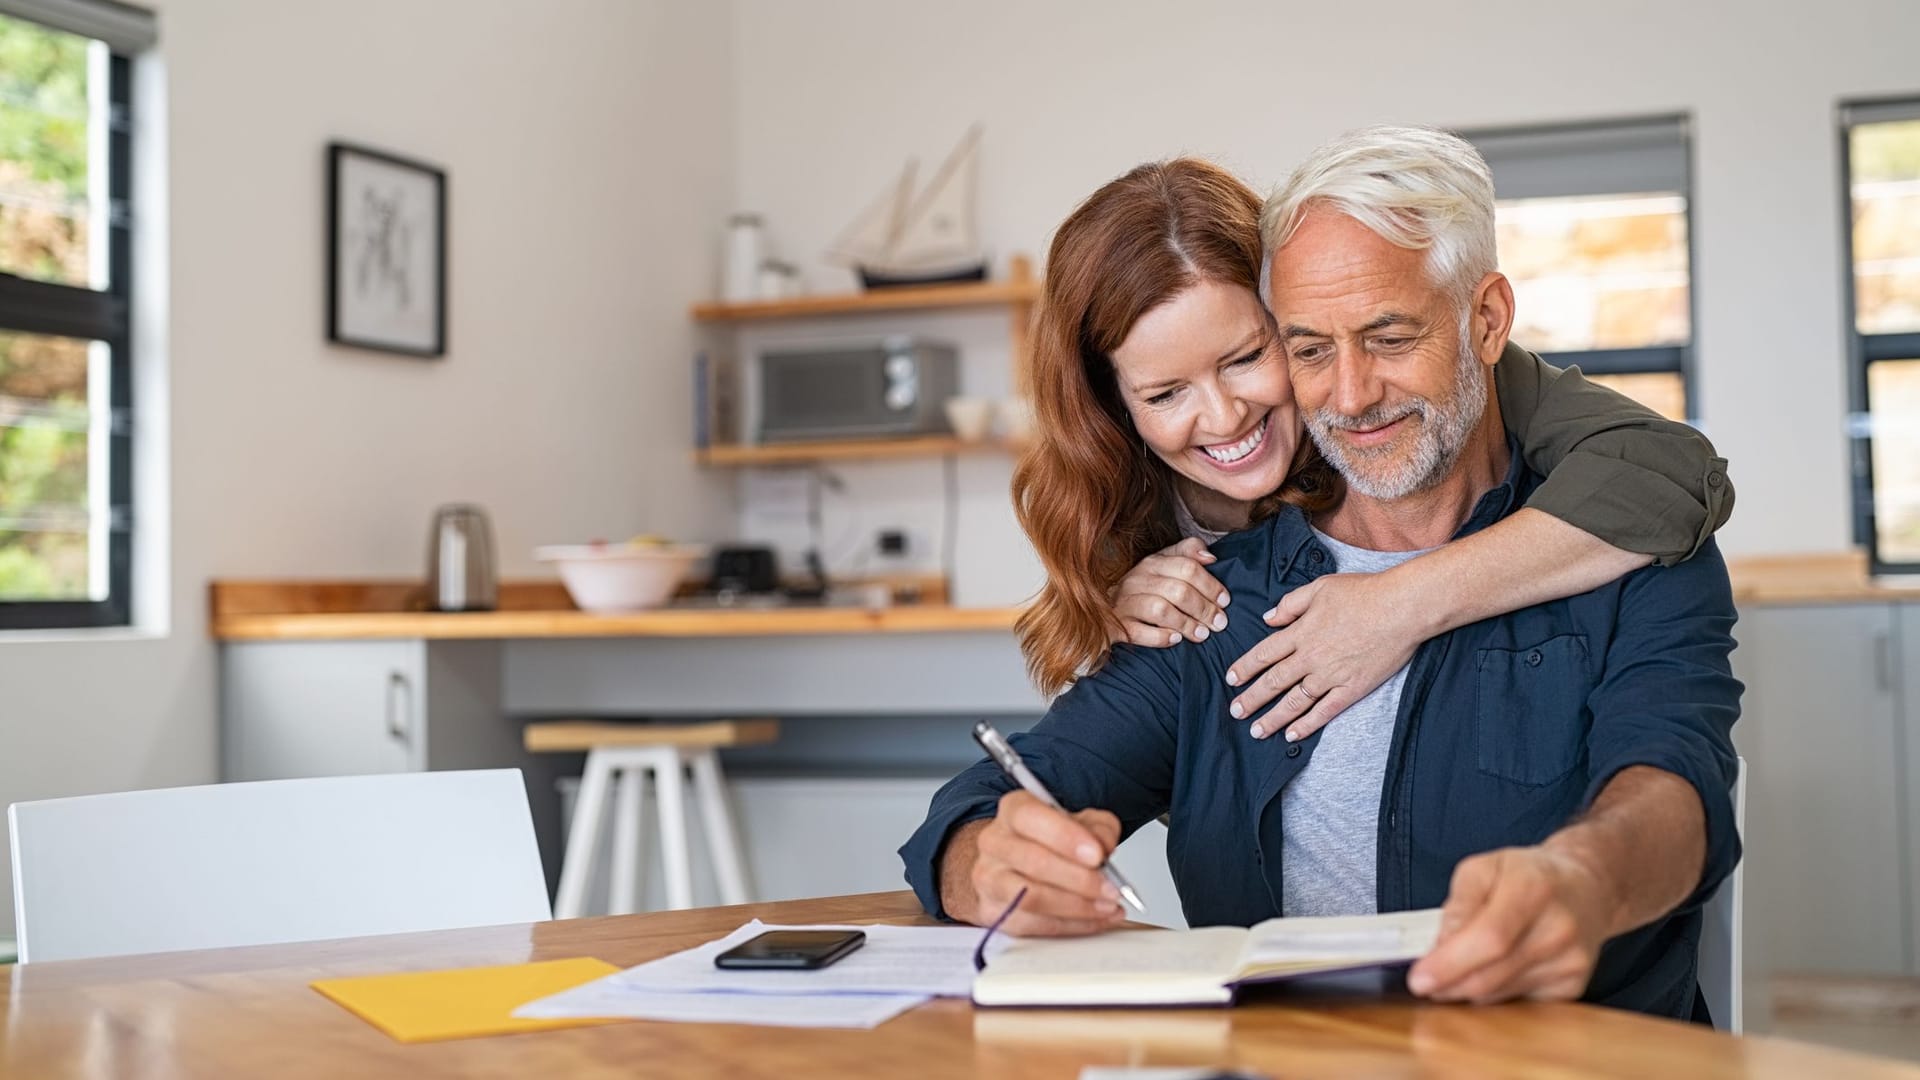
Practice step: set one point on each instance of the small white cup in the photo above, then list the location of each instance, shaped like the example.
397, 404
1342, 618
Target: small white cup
1016, 419
971, 417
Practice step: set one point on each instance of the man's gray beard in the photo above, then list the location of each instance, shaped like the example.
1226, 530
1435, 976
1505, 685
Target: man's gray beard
1390, 473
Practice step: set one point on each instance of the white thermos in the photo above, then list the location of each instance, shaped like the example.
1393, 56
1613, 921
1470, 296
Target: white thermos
740, 270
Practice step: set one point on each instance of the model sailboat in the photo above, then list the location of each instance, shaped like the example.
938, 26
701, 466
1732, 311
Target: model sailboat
924, 239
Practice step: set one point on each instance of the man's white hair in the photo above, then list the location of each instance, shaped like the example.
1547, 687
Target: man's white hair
1418, 187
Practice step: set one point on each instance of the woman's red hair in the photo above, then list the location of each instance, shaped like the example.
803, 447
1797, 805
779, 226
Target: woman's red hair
1092, 497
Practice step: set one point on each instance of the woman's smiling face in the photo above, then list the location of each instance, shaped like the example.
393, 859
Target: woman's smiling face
1208, 391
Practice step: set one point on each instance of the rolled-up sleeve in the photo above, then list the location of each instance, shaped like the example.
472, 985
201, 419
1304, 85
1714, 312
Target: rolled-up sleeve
1613, 467
1668, 698
1108, 743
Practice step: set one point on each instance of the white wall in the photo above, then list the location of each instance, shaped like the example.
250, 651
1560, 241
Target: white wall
589, 158
834, 94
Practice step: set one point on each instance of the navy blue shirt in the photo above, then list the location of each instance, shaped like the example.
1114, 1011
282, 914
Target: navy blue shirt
1507, 730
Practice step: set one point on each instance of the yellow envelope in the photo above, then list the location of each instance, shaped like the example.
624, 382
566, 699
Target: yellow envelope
422, 1006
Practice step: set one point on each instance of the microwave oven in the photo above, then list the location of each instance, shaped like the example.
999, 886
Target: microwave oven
894, 387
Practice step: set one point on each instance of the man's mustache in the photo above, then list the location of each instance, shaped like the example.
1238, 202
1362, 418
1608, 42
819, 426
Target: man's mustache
1377, 417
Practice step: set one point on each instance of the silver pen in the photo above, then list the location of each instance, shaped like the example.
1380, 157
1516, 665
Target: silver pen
1009, 761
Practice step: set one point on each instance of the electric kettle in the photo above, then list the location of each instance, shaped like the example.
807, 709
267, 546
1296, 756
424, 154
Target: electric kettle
460, 566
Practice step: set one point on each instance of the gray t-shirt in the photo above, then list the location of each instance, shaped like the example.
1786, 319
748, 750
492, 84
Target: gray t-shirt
1183, 517
1330, 812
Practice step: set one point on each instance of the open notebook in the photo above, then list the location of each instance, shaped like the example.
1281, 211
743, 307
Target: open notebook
1197, 967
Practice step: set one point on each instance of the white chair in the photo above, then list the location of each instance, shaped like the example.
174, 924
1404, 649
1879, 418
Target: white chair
621, 758
273, 861
1722, 932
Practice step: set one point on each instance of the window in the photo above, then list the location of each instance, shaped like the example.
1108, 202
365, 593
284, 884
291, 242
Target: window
1880, 153
1593, 232
65, 359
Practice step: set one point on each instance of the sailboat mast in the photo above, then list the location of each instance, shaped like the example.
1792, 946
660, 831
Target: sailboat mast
875, 232
940, 225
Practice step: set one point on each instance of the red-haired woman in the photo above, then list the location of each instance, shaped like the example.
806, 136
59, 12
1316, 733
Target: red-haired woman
1150, 329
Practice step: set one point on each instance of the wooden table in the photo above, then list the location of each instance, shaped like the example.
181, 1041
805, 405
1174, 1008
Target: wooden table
249, 1013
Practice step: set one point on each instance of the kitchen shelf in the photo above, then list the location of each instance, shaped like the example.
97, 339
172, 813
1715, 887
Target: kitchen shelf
1016, 293
846, 450
1018, 290
977, 294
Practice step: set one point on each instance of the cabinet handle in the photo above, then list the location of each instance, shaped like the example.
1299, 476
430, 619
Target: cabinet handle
399, 724
1883, 661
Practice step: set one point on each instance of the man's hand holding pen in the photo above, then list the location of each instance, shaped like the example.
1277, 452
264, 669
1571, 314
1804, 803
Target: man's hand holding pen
1053, 855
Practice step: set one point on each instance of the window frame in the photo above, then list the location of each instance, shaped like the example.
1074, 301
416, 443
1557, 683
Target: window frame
1864, 350
39, 307
1643, 360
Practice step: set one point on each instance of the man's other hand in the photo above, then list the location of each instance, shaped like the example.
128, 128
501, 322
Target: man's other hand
1053, 855
1518, 923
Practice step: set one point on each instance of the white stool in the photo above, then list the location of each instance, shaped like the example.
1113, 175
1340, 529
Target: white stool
620, 759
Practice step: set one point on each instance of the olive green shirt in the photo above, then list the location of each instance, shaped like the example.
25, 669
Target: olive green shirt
1613, 467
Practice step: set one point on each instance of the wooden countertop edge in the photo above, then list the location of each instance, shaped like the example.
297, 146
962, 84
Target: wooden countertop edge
1838, 577
534, 612
1775, 594
579, 624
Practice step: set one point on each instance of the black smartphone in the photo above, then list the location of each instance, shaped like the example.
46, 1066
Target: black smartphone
792, 950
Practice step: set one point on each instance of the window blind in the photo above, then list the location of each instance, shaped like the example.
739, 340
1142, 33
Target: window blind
1603, 158
126, 29
1879, 112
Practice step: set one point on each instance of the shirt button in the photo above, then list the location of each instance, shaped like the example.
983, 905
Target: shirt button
1317, 557
1294, 750
1534, 658
1714, 479
1257, 857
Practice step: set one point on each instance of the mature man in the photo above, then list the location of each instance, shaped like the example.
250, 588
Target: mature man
1558, 777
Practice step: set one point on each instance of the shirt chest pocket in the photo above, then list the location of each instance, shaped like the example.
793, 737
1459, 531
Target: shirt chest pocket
1530, 720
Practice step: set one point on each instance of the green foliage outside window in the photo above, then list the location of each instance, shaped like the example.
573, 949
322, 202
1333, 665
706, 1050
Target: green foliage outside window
44, 224
1885, 161
43, 153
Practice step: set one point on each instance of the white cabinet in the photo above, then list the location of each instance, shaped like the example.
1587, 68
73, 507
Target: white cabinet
341, 708
1830, 782
323, 708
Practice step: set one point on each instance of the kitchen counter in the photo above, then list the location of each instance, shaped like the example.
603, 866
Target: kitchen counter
318, 611
1828, 578
323, 611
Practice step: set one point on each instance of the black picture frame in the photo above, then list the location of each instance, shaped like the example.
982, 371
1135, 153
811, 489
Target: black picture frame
379, 296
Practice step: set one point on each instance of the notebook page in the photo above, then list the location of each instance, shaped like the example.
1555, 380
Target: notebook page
1147, 953
1306, 944
1117, 966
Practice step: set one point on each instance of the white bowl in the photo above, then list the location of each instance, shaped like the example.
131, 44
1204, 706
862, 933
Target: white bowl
621, 577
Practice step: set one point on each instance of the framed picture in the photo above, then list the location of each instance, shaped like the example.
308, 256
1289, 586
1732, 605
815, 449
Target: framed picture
386, 252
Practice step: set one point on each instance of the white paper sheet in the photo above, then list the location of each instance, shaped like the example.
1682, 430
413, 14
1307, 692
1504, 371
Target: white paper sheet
898, 968
1159, 1072
601, 998
926, 960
